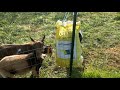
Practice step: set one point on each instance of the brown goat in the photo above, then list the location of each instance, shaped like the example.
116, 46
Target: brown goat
6, 50
18, 64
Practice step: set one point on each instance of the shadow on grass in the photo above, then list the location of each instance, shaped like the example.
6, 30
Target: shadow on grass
117, 18
76, 72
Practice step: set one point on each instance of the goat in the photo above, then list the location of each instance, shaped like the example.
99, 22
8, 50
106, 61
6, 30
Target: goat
19, 64
6, 50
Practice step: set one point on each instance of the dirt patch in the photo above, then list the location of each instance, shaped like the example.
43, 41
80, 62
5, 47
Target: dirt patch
113, 55
109, 57
115, 50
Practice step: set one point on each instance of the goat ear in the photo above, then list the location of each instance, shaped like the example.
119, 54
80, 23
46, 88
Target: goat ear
43, 39
32, 39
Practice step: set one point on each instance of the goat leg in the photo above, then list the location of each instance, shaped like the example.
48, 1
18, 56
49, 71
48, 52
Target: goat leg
5, 74
34, 73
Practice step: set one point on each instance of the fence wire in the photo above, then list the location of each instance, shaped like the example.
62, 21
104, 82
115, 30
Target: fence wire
18, 62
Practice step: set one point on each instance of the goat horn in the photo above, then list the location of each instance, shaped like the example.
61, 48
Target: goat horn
32, 39
43, 39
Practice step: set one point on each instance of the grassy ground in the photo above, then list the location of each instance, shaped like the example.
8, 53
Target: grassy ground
101, 40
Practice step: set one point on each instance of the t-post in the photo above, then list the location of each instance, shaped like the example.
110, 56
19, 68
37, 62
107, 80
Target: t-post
72, 45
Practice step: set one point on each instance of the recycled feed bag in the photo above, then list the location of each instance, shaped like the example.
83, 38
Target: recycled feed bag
63, 44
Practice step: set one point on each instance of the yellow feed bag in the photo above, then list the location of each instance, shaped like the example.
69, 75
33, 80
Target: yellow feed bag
63, 44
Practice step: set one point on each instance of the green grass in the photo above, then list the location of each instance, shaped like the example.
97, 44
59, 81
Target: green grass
101, 31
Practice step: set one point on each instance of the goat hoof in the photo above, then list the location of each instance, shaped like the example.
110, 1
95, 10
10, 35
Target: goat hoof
32, 76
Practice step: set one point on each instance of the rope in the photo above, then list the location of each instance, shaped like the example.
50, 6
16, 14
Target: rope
65, 17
